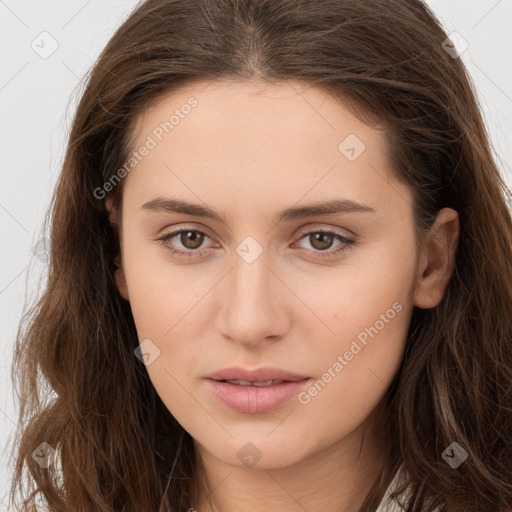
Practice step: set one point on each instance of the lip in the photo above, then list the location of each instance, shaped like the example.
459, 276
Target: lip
262, 374
252, 399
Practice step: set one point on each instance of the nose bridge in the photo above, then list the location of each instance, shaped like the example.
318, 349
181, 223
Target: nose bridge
250, 306
250, 279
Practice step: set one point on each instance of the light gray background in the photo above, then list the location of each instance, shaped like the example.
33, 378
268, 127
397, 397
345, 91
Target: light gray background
38, 97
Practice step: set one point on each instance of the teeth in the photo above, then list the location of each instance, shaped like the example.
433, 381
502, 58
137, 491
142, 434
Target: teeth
254, 383
268, 383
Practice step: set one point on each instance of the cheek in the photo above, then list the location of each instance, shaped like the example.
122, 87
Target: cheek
167, 302
353, 296
368, 309
163, 301
160, 291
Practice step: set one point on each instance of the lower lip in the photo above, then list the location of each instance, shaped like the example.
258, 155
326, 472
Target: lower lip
253, 399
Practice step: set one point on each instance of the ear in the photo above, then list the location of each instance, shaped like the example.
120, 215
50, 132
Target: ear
436, 263
112, 213
119, 272
121, 283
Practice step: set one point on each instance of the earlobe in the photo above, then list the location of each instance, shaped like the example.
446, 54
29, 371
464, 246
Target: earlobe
121, 283
119, 272
438, 260
111, 211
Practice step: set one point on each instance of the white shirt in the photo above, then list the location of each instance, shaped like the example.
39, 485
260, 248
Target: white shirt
387, 505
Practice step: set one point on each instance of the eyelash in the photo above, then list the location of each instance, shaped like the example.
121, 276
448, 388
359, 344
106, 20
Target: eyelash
348, 242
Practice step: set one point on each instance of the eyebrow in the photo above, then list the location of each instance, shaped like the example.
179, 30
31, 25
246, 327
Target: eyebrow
335, 206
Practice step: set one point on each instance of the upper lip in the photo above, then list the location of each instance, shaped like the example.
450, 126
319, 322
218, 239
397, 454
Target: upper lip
263, 374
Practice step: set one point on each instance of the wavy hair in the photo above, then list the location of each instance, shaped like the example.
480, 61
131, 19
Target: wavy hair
80, 388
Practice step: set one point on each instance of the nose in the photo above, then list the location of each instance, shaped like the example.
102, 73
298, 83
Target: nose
255, 303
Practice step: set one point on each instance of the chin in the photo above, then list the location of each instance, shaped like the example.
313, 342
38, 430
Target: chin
259, 453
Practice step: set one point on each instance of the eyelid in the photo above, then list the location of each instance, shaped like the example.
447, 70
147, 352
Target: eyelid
174, 230
332, 229
303, 230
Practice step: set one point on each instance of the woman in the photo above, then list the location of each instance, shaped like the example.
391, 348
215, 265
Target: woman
280, 272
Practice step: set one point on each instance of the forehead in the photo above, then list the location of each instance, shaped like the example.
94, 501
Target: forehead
257, 140
253, 113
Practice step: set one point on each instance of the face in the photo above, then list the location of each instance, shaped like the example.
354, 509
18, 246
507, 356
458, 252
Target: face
324, 295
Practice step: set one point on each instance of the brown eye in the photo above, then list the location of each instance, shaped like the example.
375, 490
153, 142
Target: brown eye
321, 241
191, 239
185, 242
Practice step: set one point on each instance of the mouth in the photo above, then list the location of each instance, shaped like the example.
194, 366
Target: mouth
256, 383
255, 397
263, 375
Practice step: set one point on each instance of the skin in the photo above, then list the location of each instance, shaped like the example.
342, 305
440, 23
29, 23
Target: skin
250, 150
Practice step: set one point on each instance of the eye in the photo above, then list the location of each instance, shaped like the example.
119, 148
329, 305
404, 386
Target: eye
321, 240
192, 239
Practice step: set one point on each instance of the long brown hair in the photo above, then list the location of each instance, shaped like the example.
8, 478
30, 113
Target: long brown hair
84, 393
